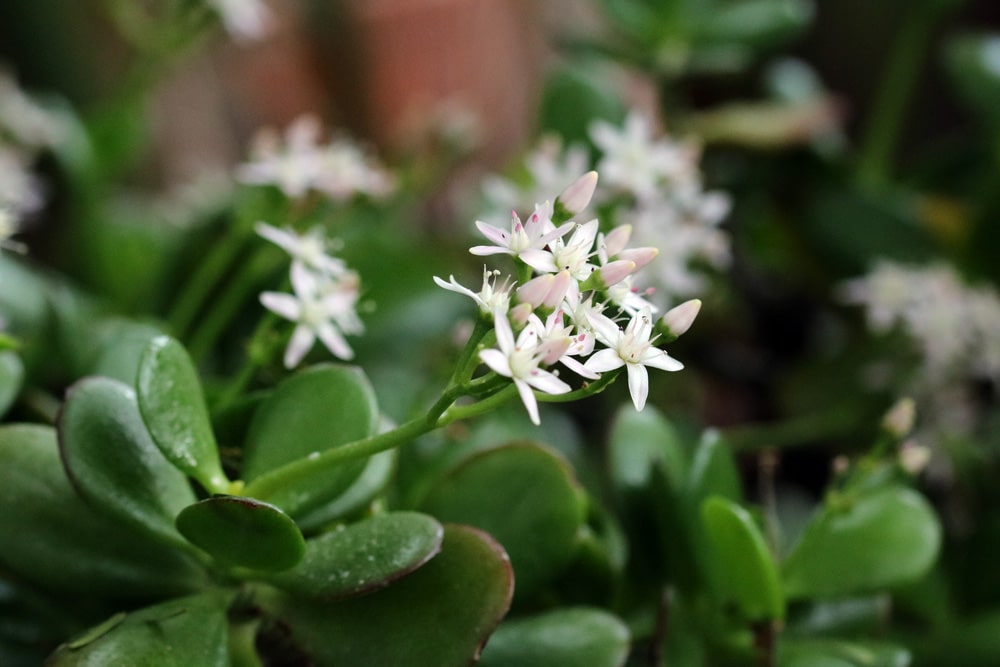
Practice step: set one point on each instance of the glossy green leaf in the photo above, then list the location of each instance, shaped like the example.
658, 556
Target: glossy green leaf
244, 532
11, 378
876, 541
574, 637
439, 616
54, 539
973, 63
312, 411
371, 482
181, 633
525, 496
122, 345
713, 471
173, 407
749, 575
363, 556
640, 442
841, 653
113, 462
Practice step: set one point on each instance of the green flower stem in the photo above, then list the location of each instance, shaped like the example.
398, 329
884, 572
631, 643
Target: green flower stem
204, 280
468, 360
898, 81
460, 412
590, 389
247, 279
242, 652
260, 350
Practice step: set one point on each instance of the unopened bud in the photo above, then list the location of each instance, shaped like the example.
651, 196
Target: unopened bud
899, 420
535, 290
576, 197
616, 240
913, 457
641, 256
617, 271
679, 319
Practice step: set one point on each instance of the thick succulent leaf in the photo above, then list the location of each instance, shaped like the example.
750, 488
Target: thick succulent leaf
439, 616
180, 633
369, 484
713, 471
11, 378
315, 409
749, 575
363, 556
311, 412
114, 463
525, 496
55, 540
841, 653
641, 442
574, 637
121, 347
876, 541
243, 532
173, 407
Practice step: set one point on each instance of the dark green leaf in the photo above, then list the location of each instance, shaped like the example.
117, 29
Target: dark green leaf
748, 573
973, 62
173, 407
244, 532
372, 480
876, 541
113, 462
525, 496
439, 616
181, 633
312, 411
363, 556
575, 637
53, 539
11, 377
840, 653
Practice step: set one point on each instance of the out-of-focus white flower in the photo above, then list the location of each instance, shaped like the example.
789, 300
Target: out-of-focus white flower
637, 162
8, 227
20, 192
245, 20
321, 308
519, 360
550, 168
308, 249
299, 163
23, 120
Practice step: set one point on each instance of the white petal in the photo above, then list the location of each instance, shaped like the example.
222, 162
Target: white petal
659, 359
301, 342
282, 304
528, 398
539, 260
638, 384
483, 250
497, 361
604, 360
505, 335
604, 328
304, 281
334, 341
547, 382
578, 368
495, 234
279, 237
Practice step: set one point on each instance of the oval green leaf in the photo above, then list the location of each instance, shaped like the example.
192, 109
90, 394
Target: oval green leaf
575, 637
243, 532
11, 378
173, 407
180, 633
841, 653
525, 496
439, 616
363, 556
114, 464
747, 572
58, 542
639, 443
371, 482
879, 540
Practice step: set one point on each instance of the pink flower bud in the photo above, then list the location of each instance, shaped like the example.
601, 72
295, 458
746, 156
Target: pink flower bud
617, 239
576, 197
679, 319
641, 256
535, 290
616, 271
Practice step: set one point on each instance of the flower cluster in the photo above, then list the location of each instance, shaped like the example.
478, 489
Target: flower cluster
26, 129
652, 184
245, 20
570, 307
323, 302
300, 163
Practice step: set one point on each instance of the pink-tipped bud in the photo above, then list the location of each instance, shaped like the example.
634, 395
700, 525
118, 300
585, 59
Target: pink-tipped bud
576, 197
558, 290
900, 418
535, 290
679, 319
616, 240
553, 349
617, 271
520, 313
913, 457
641, 256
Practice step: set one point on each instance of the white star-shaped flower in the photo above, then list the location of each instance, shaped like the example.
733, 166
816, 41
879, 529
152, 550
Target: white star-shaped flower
631, 348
